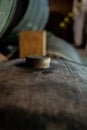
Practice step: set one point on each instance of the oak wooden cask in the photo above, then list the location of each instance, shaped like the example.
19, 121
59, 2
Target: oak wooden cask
43, 99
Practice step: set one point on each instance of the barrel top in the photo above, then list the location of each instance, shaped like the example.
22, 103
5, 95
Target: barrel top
56, 94
60, 71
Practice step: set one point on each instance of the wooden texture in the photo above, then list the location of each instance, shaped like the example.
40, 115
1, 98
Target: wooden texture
3, 58
32, 43
48, 99
60, 6
38, 62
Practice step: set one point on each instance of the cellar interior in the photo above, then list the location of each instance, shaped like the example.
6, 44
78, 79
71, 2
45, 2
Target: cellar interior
43, 65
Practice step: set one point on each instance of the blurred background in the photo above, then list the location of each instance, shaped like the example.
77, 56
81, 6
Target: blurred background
66, 19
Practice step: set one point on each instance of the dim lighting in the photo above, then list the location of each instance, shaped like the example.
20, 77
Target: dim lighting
79, 4
70, 14
66, 19
62, 25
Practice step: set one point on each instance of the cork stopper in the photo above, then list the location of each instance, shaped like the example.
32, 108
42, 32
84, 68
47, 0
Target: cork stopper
38, 62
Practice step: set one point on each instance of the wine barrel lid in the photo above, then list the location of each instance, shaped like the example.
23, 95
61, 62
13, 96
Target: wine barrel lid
46, 99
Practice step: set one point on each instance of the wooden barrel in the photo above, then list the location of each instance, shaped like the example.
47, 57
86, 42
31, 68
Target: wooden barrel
7, 9
16, 15
45, 99
58, 47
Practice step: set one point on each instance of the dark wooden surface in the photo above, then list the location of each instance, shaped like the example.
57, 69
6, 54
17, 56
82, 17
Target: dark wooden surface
61, 6
48, 99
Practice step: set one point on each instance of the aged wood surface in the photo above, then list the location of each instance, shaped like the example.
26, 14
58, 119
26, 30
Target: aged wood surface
38, 62
60, 6
32, 43
3, 58
47, 99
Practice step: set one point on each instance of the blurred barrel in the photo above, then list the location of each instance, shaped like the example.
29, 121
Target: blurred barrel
45, 99
57, 47
7, 9
16, 15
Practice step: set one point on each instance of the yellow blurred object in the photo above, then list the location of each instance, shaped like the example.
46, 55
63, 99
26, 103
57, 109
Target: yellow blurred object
79, 4
66, 19
70, 14
62, 25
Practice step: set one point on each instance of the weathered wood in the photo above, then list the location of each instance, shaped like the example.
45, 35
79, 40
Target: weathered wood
48, 99
32, 43
60, 6
38, 62
3, 58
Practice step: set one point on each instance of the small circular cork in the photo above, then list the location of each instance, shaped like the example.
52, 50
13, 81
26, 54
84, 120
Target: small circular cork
38, 62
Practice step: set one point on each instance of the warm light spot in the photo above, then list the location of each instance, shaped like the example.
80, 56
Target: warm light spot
66, 19
62, 25
70, 14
